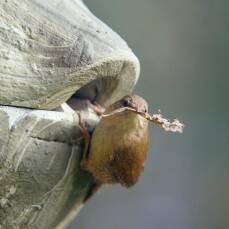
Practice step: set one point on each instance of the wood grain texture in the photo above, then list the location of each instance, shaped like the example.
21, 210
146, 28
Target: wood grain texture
49, 49
40, 177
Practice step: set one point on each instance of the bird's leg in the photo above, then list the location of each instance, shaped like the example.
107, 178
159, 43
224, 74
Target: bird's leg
83, 128
96, 107
86, 135
96, 185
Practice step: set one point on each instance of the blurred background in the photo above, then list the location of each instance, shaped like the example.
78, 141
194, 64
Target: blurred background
183, 47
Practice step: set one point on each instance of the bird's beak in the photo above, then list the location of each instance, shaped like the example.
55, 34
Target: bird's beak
143, 114
147, 116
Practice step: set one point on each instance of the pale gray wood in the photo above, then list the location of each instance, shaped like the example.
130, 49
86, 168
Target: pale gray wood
40, 177
50, 48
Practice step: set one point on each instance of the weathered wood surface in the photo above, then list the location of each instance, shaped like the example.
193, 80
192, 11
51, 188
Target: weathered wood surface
40, 177
51, 48
48, 50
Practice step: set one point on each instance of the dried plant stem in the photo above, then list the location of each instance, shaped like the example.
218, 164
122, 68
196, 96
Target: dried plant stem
174, 126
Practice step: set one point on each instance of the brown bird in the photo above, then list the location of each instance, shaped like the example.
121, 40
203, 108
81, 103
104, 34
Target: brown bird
119, 144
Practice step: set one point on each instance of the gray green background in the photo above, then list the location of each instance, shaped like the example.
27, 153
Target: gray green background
183, 47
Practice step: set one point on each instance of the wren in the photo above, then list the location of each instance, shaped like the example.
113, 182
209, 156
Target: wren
119, 144
116, 148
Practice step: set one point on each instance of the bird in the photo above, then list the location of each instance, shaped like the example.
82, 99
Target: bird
119, 144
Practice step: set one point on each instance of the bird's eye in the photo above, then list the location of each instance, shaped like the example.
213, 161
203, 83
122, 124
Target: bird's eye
145, 110
125, 103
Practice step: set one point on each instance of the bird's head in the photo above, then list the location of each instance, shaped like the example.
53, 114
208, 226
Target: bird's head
134, 102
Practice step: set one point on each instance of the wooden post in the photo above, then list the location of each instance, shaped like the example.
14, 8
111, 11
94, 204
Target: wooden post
49, 50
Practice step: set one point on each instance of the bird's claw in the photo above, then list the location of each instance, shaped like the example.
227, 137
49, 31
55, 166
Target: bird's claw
96, 107
82, 125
